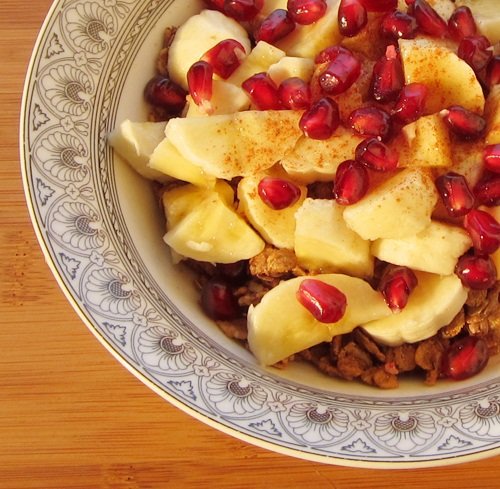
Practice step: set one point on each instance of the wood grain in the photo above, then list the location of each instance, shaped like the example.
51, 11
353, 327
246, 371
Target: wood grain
71, 416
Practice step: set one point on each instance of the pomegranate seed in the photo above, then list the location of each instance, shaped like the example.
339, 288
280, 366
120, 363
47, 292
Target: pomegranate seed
462, 24
476, 272
321, 120
388, 76
475, 52
218, 300
225, 57
428, 19
306, 12
262, 91
398, 25
379, 5
215, 4
491, 158
330, 53
340, 73
352, 17
484, 231
463, 122
324, 301
455, 194
411, 103
199, 78
162, 92
351, 182
242, 9
487, 190
278, 193
370, 121
396, 284
294, 93
275, 26
465, 357
493, 71
374, 154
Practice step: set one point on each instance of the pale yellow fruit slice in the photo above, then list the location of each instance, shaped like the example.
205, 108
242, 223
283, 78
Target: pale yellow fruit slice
135, 142
434, 302
241, 144
167, 160
262, 56
450, 80
436, 249
178, 202
226, 99
399, 207
429, 143
492, 115
196, 36
214, 232
487, 16
324, 243
313, 160
280, 326
277, 227
291, 67
307, 41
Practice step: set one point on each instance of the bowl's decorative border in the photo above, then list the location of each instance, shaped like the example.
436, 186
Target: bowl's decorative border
78, 67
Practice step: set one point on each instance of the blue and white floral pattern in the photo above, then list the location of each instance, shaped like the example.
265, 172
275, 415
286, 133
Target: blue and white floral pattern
79, 67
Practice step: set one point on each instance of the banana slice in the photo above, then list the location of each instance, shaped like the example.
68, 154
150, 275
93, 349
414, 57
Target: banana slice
433, 304
487, 15
280, 326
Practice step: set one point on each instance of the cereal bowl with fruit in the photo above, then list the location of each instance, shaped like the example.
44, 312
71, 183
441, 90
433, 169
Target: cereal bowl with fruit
282, 216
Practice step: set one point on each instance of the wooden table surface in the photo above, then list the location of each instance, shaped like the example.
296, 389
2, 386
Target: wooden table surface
70, 415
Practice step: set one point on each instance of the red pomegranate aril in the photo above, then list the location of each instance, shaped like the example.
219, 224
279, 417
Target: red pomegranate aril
325, 302
396, 285
455, 193
487, 190
321, 120
278, 193
493, 72
491, 157
225, 57
376, 155
410, 104
352, 17
218, 300
465, 357
331, 53
351, 182
475, 51
262, 91
162, 92
398, 25
461, 24
388, 76
294, 93
379, 5
463, 122
340, 73
215, 4
477, 272
242, 9
428, 19
200, 83
275, 26
370, 121
306, 12
484, 231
